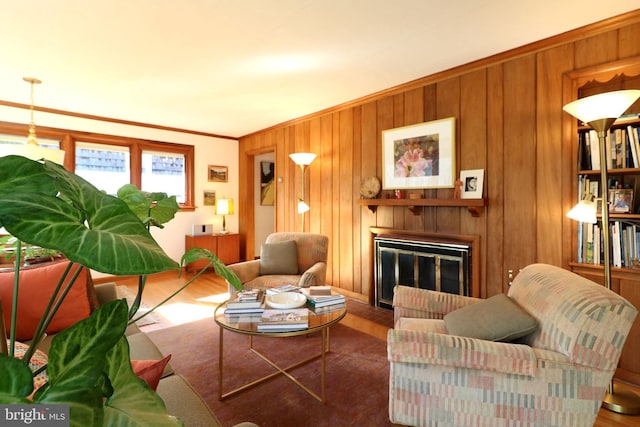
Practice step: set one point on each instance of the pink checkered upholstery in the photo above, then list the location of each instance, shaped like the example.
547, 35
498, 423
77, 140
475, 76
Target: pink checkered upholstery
557, 376
312, 255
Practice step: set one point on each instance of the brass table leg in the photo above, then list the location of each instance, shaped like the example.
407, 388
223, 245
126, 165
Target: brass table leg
324, 349
220, 356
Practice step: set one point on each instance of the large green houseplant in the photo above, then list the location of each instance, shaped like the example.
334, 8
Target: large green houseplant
89, 369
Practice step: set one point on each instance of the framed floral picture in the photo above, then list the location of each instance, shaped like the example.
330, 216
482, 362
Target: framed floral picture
419, 156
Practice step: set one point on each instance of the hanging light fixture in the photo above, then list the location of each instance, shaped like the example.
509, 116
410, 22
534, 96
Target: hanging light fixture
31, 137
32, 149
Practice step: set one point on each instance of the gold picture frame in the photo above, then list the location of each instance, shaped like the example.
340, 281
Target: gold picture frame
420, 156
217, 173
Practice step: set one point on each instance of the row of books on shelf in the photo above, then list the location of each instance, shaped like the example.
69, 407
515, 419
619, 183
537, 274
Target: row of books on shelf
625, 243
623, 149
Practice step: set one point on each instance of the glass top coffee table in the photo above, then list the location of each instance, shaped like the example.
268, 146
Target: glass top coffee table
248, 325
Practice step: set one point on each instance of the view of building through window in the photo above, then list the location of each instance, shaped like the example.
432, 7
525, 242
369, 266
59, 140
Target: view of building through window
105, 166
108, 168
164, 172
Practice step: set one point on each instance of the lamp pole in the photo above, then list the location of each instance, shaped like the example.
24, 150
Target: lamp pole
303, 160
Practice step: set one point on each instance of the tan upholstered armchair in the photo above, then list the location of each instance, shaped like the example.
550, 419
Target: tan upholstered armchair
555, 376
287, 258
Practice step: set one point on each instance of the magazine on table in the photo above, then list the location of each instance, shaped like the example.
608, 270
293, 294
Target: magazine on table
272, 319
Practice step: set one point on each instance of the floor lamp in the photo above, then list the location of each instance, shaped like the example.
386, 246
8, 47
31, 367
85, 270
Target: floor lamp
303, 160
600, 112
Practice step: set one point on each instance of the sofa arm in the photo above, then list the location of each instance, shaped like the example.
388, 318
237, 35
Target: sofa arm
425, 304
106, 292
420, 347
314, 276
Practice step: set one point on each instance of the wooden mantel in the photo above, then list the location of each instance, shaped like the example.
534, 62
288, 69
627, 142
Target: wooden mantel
414, 205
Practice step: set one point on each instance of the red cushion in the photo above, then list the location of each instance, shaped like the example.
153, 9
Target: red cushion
37, 284
150, 370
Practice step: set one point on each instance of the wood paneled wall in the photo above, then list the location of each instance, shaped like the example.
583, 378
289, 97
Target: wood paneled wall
509, 122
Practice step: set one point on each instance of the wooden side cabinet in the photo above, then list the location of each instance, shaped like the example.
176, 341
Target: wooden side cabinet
225, 246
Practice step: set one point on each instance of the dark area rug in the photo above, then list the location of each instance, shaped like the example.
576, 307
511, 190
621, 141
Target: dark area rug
357, 376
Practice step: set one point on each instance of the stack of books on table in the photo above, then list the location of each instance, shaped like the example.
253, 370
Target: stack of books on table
246, 303
273, 320
322, 296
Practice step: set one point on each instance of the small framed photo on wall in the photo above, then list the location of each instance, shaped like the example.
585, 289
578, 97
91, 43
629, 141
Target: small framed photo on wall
267, 183
472, 183
209, 198
217, 173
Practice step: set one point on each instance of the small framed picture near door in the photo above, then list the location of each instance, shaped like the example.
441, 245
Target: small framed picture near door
267, 183
472, 182
218, 173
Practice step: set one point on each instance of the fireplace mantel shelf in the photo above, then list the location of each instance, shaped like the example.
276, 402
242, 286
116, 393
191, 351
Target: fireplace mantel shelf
415, 205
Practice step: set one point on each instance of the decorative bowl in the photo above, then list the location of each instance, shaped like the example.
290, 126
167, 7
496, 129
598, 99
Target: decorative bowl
285, 300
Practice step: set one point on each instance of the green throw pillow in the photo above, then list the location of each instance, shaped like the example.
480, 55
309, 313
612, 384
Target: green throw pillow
494, 319
279, 258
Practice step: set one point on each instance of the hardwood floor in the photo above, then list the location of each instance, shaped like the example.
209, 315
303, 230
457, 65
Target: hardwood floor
199, 299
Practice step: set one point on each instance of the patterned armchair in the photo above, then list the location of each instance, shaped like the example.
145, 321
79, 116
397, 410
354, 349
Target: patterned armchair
312, 250
556, 376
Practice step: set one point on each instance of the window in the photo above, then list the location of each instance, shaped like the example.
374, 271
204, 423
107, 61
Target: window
164, 172
105, 166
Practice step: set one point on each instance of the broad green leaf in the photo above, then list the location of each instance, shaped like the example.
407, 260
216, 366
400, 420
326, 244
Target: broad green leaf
89, 227
133, 403
77, 361
16, 380
195, 254
153, 209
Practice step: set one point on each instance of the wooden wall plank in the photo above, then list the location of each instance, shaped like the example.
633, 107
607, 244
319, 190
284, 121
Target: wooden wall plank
356, 178
495, 272
551, 175
370, 158
473, 152
314, 176
596, 50
628, 43
347, 203
520, 162
326, 186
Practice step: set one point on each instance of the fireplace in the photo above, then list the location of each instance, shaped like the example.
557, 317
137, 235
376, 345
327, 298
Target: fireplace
438, 262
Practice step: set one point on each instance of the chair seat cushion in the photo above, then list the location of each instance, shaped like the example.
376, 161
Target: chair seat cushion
497, 318
279, 258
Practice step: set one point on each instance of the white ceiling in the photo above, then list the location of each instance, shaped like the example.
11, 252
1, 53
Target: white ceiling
232, 67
